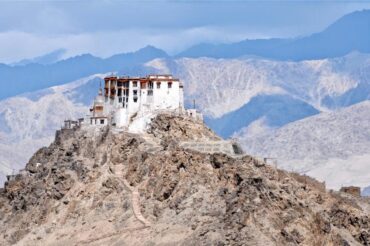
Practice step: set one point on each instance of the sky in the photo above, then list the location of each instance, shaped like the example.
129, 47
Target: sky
31, 28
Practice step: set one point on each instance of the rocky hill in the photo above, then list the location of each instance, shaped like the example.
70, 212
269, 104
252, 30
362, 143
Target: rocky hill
106, 187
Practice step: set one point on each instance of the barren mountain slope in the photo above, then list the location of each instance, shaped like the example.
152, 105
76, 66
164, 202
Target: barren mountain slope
331, 146
103, 187
220, 86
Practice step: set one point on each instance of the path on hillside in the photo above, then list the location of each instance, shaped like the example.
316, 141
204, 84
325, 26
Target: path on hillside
135, 201
135, 195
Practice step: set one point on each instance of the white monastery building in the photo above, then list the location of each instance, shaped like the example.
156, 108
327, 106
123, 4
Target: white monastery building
128, 101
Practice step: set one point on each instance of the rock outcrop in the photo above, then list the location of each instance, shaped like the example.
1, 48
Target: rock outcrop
101, 187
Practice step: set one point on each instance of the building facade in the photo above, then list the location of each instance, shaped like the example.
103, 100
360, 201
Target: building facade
126, 98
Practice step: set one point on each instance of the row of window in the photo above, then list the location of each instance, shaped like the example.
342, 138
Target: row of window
135, 83
97, 122
169, 85
150, 92
150, 85
124, 100
135, 93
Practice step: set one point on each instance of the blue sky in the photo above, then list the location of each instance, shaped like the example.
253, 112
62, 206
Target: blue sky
30, 28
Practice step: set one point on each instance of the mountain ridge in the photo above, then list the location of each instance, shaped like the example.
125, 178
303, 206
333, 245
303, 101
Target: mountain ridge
338, 39
33, 76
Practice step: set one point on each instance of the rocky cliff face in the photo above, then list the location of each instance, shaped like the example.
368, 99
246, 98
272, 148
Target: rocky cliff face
103, 187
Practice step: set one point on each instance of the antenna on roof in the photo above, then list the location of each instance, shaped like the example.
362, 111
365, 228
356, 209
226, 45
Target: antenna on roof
100, 89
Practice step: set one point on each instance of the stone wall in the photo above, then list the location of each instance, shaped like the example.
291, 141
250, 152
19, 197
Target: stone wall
220, 146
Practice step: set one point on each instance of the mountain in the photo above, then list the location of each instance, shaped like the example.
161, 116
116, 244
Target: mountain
46, 59
119, 188
236, 92
331, 146
257, 47
233, 94
349, 33
277, 110
34, 76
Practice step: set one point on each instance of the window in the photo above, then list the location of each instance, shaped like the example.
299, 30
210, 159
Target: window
135, 99
135, 92
150, 85
158, 85
134, 84
169, 85
102, 121
120, 99
150, 93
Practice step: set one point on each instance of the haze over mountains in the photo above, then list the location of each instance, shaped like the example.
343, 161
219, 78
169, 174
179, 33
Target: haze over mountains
349, 33
35, 76
241, 95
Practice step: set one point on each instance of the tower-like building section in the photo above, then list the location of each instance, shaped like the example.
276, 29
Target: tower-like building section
98, 114
126, 98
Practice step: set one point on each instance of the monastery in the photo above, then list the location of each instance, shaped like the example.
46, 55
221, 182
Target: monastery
125, 100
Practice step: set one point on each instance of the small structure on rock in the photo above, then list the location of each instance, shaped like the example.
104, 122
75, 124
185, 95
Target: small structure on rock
352, 190
98, 117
